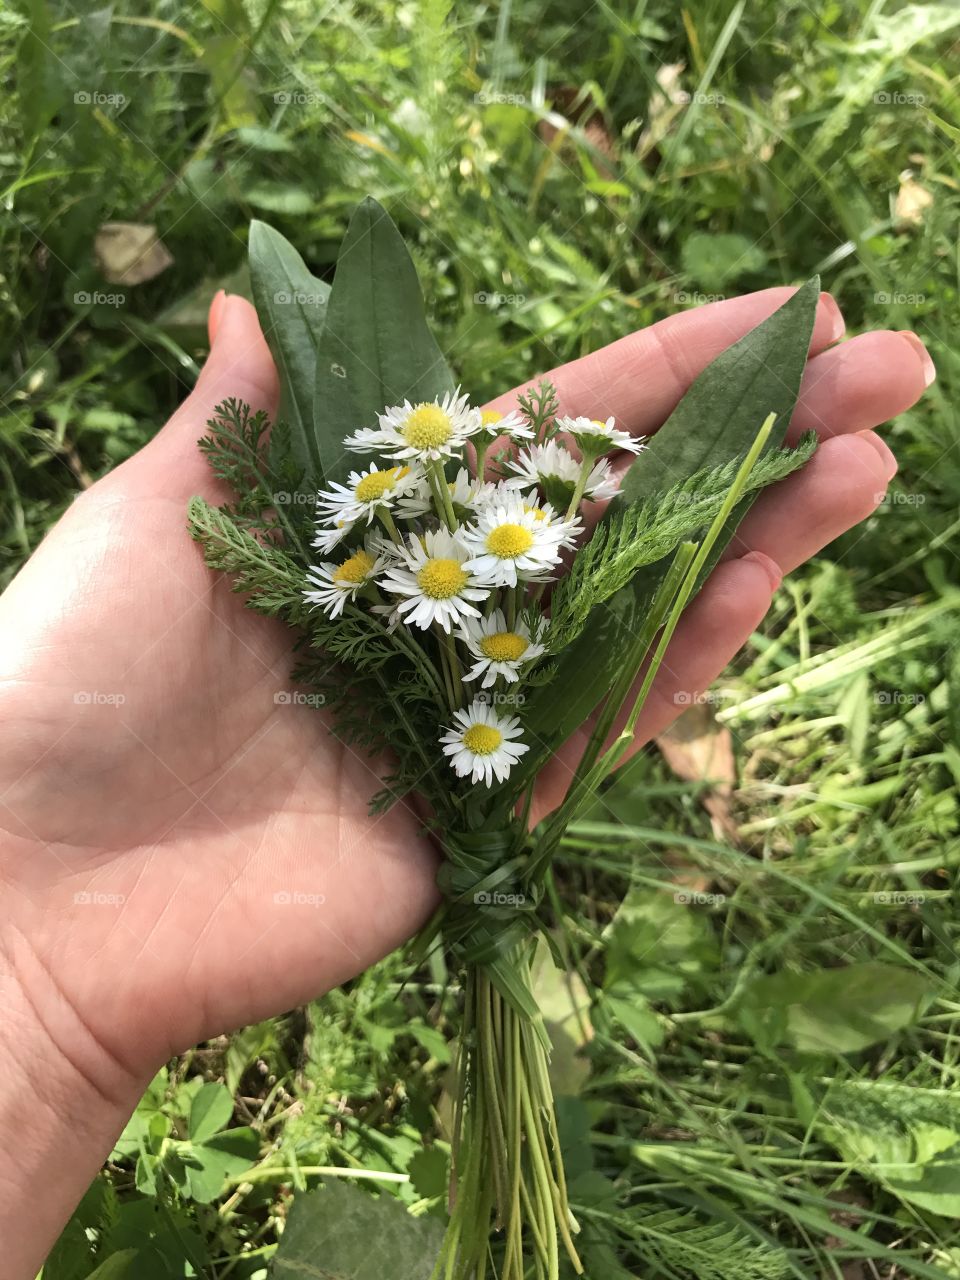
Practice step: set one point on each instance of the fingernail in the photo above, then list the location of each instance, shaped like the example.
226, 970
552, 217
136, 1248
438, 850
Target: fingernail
929, 368
215, 313
770, 567
886, 454
837, 325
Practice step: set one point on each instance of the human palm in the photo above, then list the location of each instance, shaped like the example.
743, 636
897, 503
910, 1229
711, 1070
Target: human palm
189, 847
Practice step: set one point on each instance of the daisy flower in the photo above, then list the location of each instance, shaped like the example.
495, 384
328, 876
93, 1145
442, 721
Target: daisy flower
482, 744
511, 541
365, 492
430, 431
335, 584
500, 650
512, 424
555, 470
597, 437
430, 572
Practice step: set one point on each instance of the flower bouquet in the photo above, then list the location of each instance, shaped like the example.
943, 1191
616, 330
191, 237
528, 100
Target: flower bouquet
457, 617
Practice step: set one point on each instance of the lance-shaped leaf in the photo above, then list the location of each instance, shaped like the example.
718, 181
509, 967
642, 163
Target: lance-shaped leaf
376, 349
716, 421
291, 304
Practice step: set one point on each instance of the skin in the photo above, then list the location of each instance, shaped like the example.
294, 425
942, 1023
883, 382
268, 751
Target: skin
143, 842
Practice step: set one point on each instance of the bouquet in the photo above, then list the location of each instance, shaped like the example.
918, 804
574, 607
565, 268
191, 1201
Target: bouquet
436, 563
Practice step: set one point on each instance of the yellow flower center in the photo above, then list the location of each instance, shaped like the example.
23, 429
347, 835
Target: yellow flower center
597, 423
354, 570
427, 427
440, 578
538, 513
490, 417
377, 483
482, 739
509, 541
504, 646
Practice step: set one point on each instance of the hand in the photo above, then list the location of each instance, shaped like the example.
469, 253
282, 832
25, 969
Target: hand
185, 848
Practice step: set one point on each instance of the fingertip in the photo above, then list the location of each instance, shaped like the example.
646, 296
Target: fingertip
769, 567
927, 368
214, 314
832, 318
888, 459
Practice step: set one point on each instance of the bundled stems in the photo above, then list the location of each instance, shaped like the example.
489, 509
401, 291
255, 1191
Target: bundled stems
506, 1149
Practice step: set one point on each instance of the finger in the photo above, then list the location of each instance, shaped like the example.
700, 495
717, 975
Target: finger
861, 384
841, 485
239, 366
715, 626
640, 378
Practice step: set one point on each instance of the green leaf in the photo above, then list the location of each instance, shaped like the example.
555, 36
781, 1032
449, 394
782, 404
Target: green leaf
117, 1267
210, 1112
225, 1155
291, 304
716, 420
341, 1233
376, 349
713, 261
832, 1010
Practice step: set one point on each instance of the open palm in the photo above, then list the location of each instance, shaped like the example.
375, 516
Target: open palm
188, 847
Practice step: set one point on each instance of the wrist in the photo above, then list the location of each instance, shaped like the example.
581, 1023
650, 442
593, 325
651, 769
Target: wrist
63, 1103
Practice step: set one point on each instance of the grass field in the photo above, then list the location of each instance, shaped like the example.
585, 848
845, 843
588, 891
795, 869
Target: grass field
758, 1039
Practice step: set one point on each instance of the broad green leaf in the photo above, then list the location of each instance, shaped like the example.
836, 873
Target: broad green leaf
342, 1233
920, 1164
147, 1122
376, 349
429, 1170
117, 1267
291, 304
832, 1010
718, 419
210, 1111
225, 1155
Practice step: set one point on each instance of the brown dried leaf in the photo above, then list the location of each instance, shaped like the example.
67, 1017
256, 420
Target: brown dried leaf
698, 749
130, 252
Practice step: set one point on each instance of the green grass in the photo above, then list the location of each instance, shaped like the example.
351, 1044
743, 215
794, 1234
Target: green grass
555, 197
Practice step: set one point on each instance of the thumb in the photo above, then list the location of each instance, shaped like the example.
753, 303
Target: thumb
239, 366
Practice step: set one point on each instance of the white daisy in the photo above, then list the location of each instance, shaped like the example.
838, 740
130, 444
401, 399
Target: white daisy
482, 744
555, 470
429, 431
512, 424
335, 584
597, 437
432, 574
366, 491
500, 650
511, 541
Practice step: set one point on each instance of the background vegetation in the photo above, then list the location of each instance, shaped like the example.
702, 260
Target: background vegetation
762, 941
